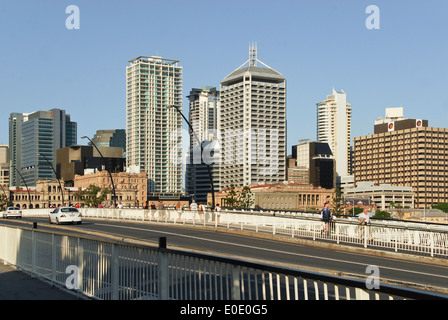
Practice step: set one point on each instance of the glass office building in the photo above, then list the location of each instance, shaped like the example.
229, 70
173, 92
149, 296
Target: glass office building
34, 139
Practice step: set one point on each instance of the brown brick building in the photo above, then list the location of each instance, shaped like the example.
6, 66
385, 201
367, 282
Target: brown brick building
130, 188
282, 196
406, 153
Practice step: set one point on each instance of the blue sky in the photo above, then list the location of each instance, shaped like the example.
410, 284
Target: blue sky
317, 45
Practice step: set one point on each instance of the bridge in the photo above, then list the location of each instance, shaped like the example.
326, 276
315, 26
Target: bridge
110, 269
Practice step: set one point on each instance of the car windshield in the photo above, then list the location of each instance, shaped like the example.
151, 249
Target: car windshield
13, 208
69, 210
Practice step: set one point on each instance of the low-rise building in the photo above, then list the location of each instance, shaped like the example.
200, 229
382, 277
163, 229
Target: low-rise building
428, 215
46, 194
281, 196
130, 188
381, 195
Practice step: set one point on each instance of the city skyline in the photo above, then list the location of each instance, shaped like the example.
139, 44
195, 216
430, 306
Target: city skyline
83, 71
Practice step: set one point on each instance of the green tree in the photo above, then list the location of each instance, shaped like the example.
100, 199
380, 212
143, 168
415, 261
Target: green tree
443, 206
3, 202
382, 214
245, 198
232, 197
337, 202
92, 195
398, 208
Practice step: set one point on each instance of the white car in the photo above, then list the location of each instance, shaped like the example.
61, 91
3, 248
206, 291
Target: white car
12, 212
65, 215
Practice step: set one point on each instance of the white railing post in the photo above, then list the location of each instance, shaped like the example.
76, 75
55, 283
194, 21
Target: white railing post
115, 269
365, 235
163, 270
80, 264
361, 294
337, 230
33, 251
236, 283
396, 240
432, 244
53, 258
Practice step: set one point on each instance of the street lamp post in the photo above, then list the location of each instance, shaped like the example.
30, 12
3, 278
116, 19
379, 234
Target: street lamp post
202, 149
110, 174
29, 196
56, 175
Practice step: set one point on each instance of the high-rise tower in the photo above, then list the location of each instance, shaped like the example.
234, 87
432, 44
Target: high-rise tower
252, 124
334, 128
203, 119
34, 137
202, 115
153, 126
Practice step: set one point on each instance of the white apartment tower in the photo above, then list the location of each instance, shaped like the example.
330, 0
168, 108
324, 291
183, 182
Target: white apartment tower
334, 128
153, 126
252, 125
202, 115
200, 158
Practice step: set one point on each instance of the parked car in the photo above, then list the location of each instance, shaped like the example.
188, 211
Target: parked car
12, 212
65, 215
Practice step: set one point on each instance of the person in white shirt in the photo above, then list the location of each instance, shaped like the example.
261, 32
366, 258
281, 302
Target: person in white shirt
364, 218
364, 221
194, 208
218, 213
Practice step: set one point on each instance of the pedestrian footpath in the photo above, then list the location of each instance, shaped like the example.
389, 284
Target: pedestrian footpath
18, 285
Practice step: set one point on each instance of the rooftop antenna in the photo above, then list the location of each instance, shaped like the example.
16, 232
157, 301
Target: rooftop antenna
253, 55
253, 60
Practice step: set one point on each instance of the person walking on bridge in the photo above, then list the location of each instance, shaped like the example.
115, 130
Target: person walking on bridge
326, 216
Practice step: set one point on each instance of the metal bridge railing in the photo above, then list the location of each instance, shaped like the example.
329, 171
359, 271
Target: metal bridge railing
114, 270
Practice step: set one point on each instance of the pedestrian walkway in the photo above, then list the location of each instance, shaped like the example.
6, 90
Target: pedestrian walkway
18, 285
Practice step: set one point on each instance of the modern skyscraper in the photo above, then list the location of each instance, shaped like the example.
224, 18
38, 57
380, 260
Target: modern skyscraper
202, 116
4, 167
15, 148
312, 163
334, 128
153, 127
252, 125
203, 119
34, 137
405, 152
110, 138
74, 160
